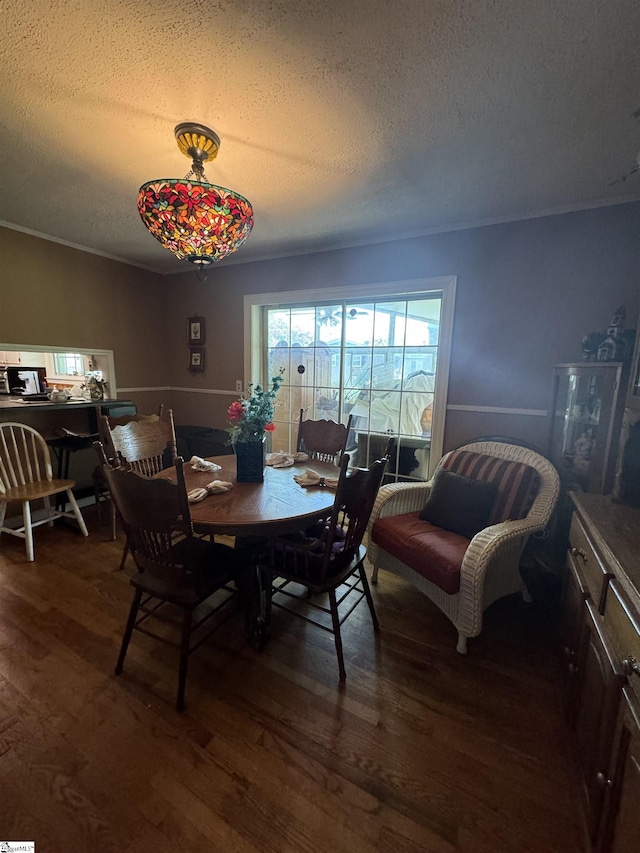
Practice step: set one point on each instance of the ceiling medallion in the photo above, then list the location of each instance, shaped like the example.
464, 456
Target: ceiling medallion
197, 221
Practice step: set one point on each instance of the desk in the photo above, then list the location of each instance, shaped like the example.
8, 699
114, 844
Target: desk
275, 507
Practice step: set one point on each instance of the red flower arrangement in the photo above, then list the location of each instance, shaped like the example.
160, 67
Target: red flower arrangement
252, 416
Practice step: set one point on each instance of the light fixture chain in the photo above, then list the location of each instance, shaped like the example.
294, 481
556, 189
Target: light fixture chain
197, 172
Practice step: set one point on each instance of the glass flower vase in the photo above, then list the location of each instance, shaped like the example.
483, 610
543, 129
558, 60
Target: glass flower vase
249, 461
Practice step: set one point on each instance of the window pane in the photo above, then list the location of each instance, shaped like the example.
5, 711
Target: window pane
357, 367
415, 410
282, 407
278, 357
326, 404
387, 368
417, 334
413, 458
423, 311
359, 319
419, 360
68, 363
385, 411
302, 369
301, 398
280, 439
329, 325
303, 326
278, 327
390, 323
323, 366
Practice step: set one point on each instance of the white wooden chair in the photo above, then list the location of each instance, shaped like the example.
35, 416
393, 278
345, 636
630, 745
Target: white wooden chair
26, 475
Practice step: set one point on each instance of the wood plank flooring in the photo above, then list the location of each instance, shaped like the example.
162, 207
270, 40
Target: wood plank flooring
421, 750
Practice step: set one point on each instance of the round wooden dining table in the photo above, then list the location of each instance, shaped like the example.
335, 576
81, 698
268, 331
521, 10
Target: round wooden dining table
274, 507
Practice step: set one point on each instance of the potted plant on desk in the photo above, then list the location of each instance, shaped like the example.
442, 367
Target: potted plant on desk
251, 418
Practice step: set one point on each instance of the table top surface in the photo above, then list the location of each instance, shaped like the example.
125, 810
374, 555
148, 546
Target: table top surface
17, 404
276, 506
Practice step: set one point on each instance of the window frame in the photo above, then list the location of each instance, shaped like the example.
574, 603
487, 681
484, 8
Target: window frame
444, 286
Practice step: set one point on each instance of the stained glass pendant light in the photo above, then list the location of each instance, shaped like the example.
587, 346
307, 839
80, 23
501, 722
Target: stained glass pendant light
197, 221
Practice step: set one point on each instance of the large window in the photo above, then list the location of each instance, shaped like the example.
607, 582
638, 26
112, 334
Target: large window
378, 359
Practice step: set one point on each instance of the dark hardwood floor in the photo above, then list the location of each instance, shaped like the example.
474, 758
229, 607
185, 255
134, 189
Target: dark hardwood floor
422, 749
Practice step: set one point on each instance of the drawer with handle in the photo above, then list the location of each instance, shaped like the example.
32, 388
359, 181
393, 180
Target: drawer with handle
623, 623
587, 564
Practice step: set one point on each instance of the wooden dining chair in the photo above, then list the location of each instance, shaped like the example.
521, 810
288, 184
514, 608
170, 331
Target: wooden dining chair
331, 564
26, 475
174, 567
323, 440
146, 442
106, 424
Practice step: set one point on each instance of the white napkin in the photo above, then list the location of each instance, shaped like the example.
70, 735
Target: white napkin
312, 478
215, 487
282, 459
200, 464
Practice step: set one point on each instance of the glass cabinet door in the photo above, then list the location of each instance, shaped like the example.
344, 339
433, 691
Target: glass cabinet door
633, 396
583, 417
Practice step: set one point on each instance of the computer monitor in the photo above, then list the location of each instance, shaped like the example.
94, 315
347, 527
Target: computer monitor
24, 380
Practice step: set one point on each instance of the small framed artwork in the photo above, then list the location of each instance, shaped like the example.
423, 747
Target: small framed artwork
195, 331
196, 359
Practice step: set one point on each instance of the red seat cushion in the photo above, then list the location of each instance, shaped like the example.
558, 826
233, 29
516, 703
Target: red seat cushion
432, 552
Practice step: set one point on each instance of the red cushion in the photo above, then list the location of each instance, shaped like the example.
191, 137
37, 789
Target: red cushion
432, 552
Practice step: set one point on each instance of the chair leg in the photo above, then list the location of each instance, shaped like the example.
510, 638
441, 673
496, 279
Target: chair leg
267, 579
374, 575
76, 511
47, 506
133, 612
3, 512
336, 632
114, 522
97, 501
461, 648
28, 530
184, 658
367, 592
125, 554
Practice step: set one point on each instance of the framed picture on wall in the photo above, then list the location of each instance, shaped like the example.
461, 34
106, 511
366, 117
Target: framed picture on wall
196, 359
195, 331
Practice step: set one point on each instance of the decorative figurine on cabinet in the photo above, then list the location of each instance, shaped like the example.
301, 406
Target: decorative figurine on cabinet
584, 447
613, 347
616, 344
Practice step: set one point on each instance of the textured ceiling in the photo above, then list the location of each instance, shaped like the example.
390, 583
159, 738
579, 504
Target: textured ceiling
342, 122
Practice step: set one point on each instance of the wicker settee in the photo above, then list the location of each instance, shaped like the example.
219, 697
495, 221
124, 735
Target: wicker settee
464, 576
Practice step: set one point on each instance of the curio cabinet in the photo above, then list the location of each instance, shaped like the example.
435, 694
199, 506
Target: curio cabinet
585, 417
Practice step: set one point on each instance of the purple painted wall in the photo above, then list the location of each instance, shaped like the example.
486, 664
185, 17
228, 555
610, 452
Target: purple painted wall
527, 292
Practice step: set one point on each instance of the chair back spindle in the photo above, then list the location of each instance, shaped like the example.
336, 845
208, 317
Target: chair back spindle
24, 457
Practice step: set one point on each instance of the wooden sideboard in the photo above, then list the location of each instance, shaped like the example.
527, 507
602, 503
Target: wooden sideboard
601, 653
